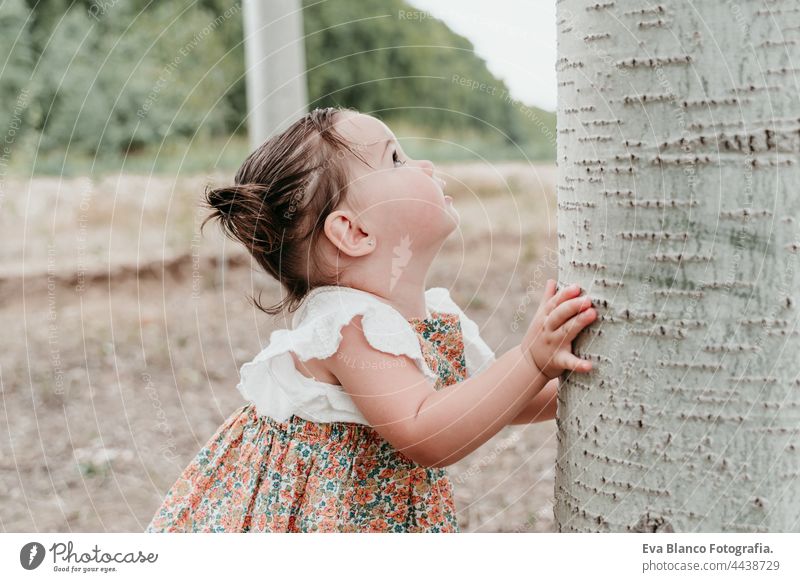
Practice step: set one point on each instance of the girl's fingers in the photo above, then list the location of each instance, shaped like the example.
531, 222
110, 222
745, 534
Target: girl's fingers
564, 312
574, 363
574, 326
563, 295
547, 298
550, 289
546, 303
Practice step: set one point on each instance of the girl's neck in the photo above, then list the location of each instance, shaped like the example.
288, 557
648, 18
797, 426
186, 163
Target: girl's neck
397, 278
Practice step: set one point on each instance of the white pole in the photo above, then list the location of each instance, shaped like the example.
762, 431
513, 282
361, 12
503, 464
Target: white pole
275, 65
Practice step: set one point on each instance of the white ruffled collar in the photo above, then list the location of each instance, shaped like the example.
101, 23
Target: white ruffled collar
344, 288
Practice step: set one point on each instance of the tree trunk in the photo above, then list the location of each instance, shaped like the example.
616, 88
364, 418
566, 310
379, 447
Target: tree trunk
678, 141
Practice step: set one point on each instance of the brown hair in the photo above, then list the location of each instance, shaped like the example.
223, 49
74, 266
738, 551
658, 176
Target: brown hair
282, 194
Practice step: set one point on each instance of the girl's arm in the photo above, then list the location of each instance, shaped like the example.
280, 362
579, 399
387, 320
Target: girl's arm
438, 428
541, 407
433, 428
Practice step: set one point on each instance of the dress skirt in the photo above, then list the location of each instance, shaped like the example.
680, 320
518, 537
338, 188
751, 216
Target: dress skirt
260, 475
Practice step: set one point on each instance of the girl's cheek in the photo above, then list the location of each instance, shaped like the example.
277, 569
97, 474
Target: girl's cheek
427, 192
402, 212
410, 215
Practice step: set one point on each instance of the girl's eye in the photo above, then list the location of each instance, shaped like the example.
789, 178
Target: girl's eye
396, 159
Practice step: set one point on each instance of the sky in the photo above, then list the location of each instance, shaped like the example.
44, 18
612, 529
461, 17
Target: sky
517, 42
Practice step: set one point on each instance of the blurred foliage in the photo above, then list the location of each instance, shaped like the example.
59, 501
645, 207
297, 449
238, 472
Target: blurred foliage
110, 83
16, 47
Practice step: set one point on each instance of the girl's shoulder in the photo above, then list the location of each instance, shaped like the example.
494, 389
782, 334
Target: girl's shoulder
329, 308
324, 303
384, 326
326, 310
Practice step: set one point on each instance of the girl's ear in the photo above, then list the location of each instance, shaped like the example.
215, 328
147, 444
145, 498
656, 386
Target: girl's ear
347, 235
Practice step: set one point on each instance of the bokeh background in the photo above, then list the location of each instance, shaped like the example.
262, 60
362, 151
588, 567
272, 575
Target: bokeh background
123, 328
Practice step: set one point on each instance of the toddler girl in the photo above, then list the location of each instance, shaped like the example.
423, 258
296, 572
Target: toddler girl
354, 412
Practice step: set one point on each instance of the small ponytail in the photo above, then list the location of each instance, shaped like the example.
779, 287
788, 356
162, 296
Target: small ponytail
241, 212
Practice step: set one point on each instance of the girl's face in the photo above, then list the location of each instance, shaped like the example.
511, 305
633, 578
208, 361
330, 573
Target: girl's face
397, 197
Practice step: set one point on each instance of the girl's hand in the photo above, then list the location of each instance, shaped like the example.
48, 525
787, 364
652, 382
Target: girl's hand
561, 316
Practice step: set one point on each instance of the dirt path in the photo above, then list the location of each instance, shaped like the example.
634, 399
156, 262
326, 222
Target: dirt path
119, 362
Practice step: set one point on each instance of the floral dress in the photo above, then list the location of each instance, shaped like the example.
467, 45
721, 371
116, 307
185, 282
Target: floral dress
261, 474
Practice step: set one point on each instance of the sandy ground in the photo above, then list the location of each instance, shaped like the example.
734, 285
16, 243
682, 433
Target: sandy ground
123, 333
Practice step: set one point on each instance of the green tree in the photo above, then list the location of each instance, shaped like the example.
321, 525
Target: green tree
132, 78
113, 77
16, 47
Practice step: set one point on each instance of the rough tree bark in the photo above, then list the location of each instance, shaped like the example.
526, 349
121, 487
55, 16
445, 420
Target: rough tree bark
679, 194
